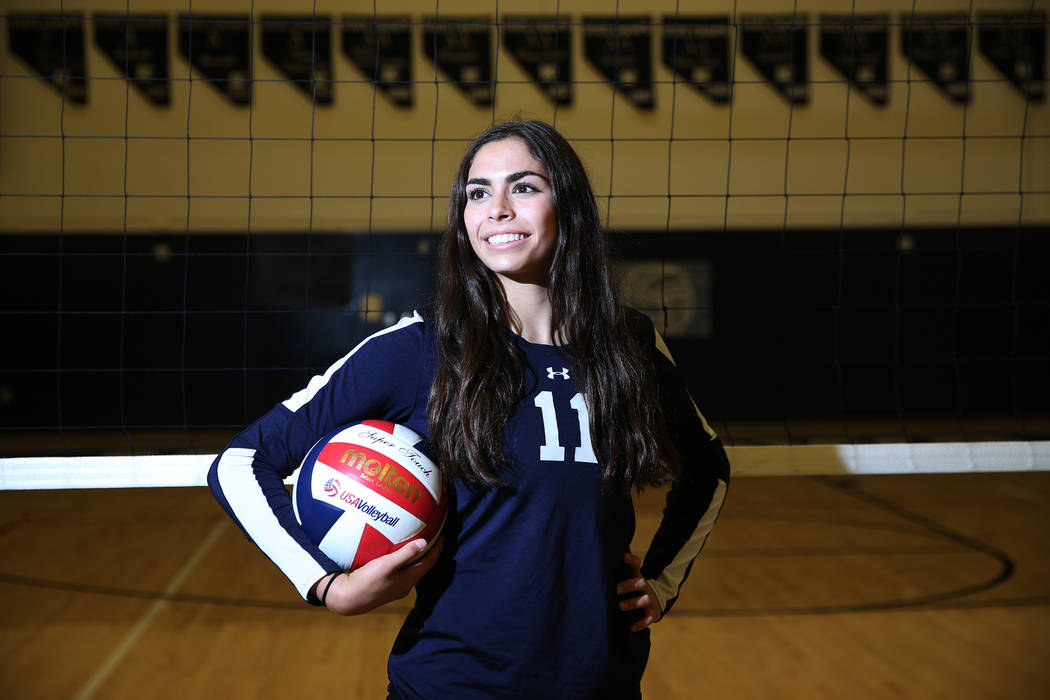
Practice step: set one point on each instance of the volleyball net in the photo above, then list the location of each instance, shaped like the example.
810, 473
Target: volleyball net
837, 218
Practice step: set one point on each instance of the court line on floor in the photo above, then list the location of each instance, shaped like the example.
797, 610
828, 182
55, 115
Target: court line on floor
940, 600
850, 488
1006, 562
107, 667
890, 606
297, 605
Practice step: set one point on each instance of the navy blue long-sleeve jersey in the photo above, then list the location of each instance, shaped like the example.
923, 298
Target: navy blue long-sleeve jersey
522, 602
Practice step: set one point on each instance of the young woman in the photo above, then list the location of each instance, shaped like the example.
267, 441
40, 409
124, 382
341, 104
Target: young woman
545, 402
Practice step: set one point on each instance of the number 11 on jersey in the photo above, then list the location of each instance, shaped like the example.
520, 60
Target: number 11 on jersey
551, 449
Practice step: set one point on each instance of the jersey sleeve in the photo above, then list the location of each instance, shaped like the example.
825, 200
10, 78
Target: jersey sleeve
697, 494
380, 378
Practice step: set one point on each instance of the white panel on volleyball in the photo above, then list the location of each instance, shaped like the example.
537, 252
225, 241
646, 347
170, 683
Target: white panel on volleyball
342, 540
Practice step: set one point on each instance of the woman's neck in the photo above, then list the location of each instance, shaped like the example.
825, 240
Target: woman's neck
530, 311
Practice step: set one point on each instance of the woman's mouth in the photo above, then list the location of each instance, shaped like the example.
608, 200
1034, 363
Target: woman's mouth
505, 238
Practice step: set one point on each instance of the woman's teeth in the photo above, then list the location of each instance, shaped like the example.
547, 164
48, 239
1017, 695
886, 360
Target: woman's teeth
500, 238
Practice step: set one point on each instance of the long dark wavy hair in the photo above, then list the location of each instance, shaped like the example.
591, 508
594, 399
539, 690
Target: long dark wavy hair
480, 375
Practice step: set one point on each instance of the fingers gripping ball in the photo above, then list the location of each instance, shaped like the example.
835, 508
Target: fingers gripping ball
366, 490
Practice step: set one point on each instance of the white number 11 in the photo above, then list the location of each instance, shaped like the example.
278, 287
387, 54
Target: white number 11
551, 449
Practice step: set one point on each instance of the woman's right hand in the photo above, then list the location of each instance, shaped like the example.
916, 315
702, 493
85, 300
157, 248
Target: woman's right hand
380, 581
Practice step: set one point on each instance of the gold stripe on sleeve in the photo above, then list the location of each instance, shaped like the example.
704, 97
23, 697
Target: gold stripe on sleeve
662, 347
670, 580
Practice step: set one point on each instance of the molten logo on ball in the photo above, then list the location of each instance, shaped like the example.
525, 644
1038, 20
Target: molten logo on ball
380, 473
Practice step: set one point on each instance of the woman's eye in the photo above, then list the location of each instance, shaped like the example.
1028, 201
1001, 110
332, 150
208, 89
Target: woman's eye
475, 194
524, 187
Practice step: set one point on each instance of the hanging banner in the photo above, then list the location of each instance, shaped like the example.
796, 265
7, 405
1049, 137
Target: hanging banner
219, 47
776, 46
462, 48
1015, 43
137, 45
857, 46
543, 47
381, 48
300, 46
621, 49
939, 46
696, 50
53, 46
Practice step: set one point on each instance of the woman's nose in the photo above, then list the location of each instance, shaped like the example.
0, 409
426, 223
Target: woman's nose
500, 208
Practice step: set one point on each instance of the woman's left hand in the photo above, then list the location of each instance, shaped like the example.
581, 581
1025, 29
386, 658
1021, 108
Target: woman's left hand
647, 602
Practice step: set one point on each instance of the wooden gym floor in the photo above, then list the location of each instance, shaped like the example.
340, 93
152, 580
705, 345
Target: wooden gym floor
810, 587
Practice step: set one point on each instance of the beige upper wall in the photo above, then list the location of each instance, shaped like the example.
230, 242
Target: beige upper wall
728, 166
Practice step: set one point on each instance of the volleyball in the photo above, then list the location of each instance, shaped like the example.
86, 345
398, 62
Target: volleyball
367, 489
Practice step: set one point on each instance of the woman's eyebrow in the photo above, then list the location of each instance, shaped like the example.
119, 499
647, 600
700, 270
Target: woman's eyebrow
513, 177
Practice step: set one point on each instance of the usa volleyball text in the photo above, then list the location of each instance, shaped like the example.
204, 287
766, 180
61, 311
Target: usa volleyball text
369, 510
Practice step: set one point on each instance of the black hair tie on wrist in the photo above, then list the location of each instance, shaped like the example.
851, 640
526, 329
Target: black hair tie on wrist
325, 594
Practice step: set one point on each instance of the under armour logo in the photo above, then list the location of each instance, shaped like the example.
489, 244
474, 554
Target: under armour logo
564, 373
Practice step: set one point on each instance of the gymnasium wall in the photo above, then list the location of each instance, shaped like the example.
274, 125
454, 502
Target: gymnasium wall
832, 157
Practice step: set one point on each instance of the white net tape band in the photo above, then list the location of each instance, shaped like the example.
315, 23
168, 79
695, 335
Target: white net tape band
898, 458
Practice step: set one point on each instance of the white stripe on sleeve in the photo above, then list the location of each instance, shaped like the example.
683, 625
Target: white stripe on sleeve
300, 398
246, 499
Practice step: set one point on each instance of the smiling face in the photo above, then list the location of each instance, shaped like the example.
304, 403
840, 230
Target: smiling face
509, 212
